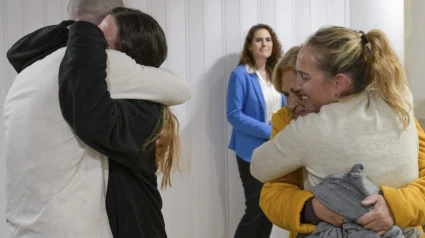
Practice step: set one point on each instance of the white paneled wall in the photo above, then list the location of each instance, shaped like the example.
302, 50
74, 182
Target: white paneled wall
205, 38
415, 54
365, 16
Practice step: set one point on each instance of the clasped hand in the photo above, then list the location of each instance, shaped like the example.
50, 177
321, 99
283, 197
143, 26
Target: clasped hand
379, 219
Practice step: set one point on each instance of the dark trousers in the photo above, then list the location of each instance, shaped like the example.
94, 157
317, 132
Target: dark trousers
254, 224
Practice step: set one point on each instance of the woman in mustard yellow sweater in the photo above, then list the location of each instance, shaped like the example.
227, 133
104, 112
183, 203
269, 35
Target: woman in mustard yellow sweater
284, 200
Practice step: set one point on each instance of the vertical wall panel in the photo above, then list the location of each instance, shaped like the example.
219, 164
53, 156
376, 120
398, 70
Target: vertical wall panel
214, 82
319, 14
201, 146
267, 12
53, 10
3, 89
205, 38
340, 16
33, 12
64, 9
347, 4
285, 23
128, 3
331, 9
14, 29
180, 196
415, 54
336, 13
327, 13
142, 5
249, 12
390, 19
158, 10
232, 44
302, 20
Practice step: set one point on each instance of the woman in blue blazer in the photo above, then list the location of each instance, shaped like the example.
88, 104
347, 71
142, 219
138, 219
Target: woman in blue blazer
251, 101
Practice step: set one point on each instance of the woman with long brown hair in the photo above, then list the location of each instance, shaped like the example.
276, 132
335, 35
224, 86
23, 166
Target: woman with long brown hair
123, 129
251, 101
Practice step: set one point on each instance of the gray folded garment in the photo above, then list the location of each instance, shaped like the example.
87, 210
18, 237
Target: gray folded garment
343, 194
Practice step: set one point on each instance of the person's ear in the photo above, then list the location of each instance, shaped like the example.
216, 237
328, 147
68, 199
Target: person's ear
342, 83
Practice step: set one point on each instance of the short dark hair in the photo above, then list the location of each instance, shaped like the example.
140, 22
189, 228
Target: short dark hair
140, 36
91, 10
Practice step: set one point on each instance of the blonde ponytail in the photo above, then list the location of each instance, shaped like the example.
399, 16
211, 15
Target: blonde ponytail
387, 75
369, 60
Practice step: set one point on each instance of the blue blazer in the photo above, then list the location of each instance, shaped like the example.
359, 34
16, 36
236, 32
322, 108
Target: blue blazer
246, 112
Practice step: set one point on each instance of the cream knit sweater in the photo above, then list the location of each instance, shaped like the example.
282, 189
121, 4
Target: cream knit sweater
361, 129
56, 184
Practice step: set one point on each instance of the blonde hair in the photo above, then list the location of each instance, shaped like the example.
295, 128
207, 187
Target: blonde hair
287, 62
167, 152
368, 59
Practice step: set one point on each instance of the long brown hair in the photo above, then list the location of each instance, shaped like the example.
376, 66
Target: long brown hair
167, 151
141, 37
370, 61
247, 57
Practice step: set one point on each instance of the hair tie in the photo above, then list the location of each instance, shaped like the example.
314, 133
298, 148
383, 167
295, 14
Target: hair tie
364, 39
366, 42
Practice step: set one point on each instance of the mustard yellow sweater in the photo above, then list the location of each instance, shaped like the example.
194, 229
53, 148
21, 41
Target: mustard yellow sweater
283, 199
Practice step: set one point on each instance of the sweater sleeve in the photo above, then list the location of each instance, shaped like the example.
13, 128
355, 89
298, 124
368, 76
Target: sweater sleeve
127, 79
168, 88
37, 45
282, 155
283, 199
235, 114
408, 203
103, 123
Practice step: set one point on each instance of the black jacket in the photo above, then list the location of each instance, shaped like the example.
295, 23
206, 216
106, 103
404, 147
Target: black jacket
118, 129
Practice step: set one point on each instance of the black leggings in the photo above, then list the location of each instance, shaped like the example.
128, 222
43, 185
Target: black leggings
254, 224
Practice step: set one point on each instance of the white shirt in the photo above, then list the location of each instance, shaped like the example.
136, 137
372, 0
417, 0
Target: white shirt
272, 98
55, 183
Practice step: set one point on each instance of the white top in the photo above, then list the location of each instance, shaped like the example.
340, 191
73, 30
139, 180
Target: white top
360, 129
55, 183
272, 98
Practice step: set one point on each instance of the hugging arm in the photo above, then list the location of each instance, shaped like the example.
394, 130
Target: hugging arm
408, 203
282, 200
37, 45
153, 84
105, 124
280, 156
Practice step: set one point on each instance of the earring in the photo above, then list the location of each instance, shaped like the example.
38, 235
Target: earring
337, 94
